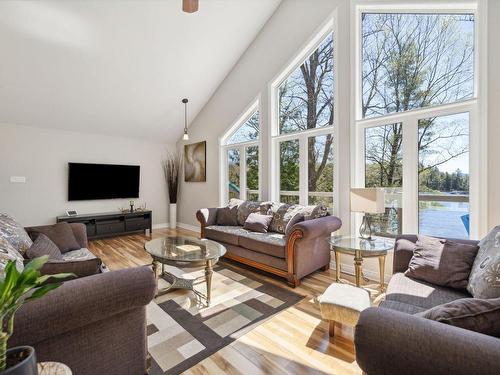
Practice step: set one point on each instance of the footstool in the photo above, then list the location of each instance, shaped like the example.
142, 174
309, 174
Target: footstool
342, 303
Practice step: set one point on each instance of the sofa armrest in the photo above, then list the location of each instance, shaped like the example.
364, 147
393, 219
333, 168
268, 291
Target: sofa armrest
306, 247
81, 268
391, 342
82, 302
403, 251
206, 217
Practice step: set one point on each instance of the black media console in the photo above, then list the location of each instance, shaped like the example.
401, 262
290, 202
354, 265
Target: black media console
112, 223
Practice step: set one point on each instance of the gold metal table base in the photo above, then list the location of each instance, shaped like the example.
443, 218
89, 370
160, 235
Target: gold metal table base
358, 268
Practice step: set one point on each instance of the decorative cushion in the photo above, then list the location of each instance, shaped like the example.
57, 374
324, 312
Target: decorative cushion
479, 315
14, 233
315, 212
227, 216
8, 253
282, 214
442, 262
484, 279
257, 222
61, 234
44, 246
245, 209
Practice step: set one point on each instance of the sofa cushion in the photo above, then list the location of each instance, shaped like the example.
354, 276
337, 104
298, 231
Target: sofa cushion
227, 216
484, 279
419, 293
224, 233
266, 243
401, 307
474, 314
9, 253
44, 246
256, 222
442, 262
14, 233
61, 234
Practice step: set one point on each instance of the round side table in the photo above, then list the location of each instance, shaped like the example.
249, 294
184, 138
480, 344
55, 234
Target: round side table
53, 368
361, 249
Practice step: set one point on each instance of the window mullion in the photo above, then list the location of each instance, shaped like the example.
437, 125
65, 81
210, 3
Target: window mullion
410, 175
303, 175
243, 172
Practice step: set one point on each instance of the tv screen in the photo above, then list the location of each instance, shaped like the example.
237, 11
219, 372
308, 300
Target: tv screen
102, 181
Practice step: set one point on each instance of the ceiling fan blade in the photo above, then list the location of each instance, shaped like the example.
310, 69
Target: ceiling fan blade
190, 6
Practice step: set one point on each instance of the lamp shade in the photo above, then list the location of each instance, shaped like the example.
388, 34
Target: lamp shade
369, 200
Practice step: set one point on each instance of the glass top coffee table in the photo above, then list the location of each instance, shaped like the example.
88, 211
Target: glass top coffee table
360, 248
185, 252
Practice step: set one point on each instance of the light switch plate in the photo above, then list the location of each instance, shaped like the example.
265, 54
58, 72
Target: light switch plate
18, 179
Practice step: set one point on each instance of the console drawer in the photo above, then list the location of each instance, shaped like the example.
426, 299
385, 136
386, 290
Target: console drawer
136, 224
110, 227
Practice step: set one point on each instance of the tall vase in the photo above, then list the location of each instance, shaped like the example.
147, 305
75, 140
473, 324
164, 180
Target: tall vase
172, 222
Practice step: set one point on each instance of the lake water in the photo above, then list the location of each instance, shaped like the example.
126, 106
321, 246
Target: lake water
444, 220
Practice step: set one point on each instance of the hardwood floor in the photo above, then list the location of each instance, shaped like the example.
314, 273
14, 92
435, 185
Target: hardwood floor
295, 341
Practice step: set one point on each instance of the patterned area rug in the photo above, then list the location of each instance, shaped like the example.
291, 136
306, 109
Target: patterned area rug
182, 331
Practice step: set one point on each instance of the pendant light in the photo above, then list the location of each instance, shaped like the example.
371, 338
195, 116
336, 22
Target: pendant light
185, 137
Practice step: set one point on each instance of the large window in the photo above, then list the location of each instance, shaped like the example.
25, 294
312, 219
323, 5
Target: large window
416, 99
303, 139
240, 151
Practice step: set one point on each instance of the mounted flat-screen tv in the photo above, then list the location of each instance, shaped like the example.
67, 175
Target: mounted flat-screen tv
102, 181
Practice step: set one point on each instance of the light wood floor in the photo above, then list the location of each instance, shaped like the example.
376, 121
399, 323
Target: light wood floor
295, 341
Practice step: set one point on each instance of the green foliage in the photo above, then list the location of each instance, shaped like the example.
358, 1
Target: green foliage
17, 288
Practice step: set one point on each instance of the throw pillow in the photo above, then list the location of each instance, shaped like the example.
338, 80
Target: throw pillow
283, 213
245, 209
479, 315
315, 212
257, 222
442, 262
227, 216
14, 233
44, 246
484, 280
7, 253
61, 234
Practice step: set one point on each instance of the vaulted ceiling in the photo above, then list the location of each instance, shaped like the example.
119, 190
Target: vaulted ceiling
119, 67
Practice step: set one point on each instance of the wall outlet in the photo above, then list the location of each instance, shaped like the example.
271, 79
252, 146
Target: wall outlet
18, 179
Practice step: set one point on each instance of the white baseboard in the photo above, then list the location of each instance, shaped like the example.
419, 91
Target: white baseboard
160, 226
190, 227
369, 274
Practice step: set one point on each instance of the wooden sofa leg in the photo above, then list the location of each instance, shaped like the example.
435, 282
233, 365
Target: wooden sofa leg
293, 281
325, 268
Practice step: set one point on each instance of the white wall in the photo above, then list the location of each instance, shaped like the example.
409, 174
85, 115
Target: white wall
42, 156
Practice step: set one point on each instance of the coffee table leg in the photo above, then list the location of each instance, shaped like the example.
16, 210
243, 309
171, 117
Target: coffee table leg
154, 266
381, 266
208, 276
358, 261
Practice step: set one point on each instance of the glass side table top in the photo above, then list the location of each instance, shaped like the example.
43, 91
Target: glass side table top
350, 245
184, 249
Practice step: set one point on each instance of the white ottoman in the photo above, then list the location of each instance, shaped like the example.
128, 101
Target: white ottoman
342, 303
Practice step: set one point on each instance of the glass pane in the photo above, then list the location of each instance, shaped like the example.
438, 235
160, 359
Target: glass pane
320, 170
415, 60
252, 173
384, 168
306, 96
443, 177
233, 158
249, 131
289, 171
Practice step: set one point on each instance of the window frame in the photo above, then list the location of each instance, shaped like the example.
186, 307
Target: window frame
302, 136
224, 147
409, 119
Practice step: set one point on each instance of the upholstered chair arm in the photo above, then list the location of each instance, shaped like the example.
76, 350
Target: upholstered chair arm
403, 251
307, 248
206, 217
391, 342
81, 302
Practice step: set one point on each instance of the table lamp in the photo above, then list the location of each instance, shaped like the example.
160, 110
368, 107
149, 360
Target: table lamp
368, 201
